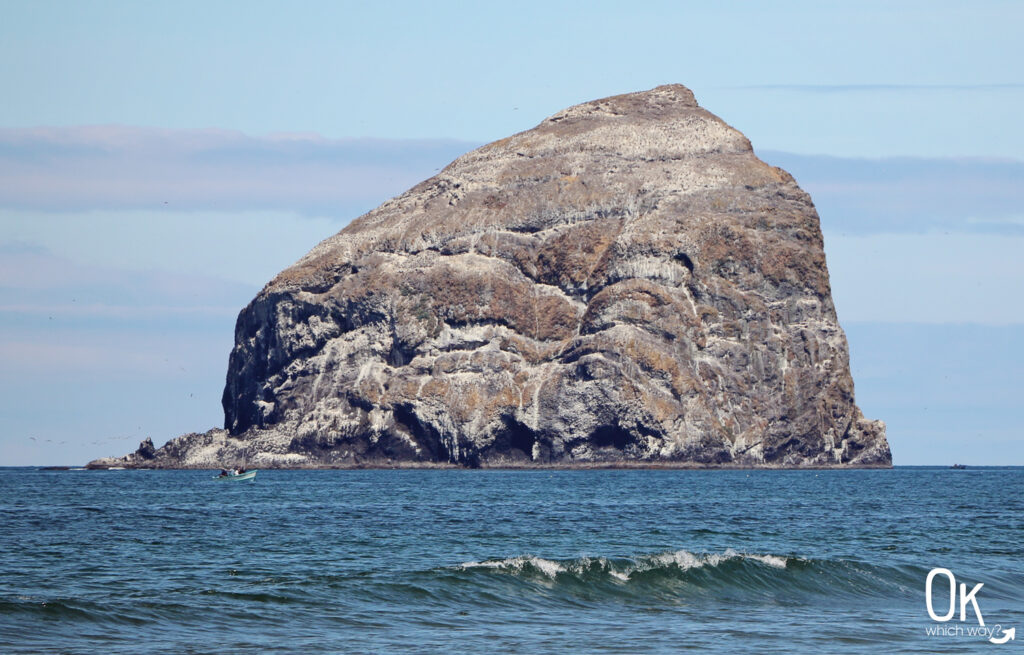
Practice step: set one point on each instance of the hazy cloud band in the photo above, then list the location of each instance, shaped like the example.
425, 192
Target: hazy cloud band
132, 168
116, 167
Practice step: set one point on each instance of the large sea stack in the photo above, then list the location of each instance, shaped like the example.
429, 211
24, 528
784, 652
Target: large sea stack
625, 284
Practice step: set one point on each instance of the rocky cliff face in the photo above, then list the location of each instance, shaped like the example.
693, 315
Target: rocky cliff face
626, 283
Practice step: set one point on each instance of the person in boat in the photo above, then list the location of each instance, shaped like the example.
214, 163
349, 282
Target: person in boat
223, 473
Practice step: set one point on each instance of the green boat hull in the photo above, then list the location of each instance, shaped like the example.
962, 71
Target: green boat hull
242, 477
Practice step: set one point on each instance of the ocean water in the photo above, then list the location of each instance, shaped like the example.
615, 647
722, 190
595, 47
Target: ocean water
507, 561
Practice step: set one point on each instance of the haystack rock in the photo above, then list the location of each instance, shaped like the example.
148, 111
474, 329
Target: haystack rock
625, 284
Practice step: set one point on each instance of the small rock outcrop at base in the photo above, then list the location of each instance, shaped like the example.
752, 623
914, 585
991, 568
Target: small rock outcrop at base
626, 284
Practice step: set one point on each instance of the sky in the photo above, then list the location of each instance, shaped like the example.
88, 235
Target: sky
160, 162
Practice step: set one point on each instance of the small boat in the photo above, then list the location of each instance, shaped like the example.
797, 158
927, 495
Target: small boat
958, 466
232, 476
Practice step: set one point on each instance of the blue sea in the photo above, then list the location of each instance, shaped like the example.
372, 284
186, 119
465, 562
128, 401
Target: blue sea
476, 561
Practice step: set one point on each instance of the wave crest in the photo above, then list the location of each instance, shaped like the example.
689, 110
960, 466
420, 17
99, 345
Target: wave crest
674, 575
622, 569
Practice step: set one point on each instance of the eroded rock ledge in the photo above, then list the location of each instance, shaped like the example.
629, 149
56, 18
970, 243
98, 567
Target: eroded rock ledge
626, 284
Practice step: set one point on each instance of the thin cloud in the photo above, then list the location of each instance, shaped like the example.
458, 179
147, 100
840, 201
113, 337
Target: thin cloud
875, 88
118, 167
910, 195
38, 287
110, 168
119, 311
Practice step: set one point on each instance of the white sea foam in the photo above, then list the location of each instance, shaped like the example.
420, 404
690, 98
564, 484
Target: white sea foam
547, 567
622, 571
770, 560
685, 560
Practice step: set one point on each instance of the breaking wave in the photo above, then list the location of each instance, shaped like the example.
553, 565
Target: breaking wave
679, 561
683, 573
